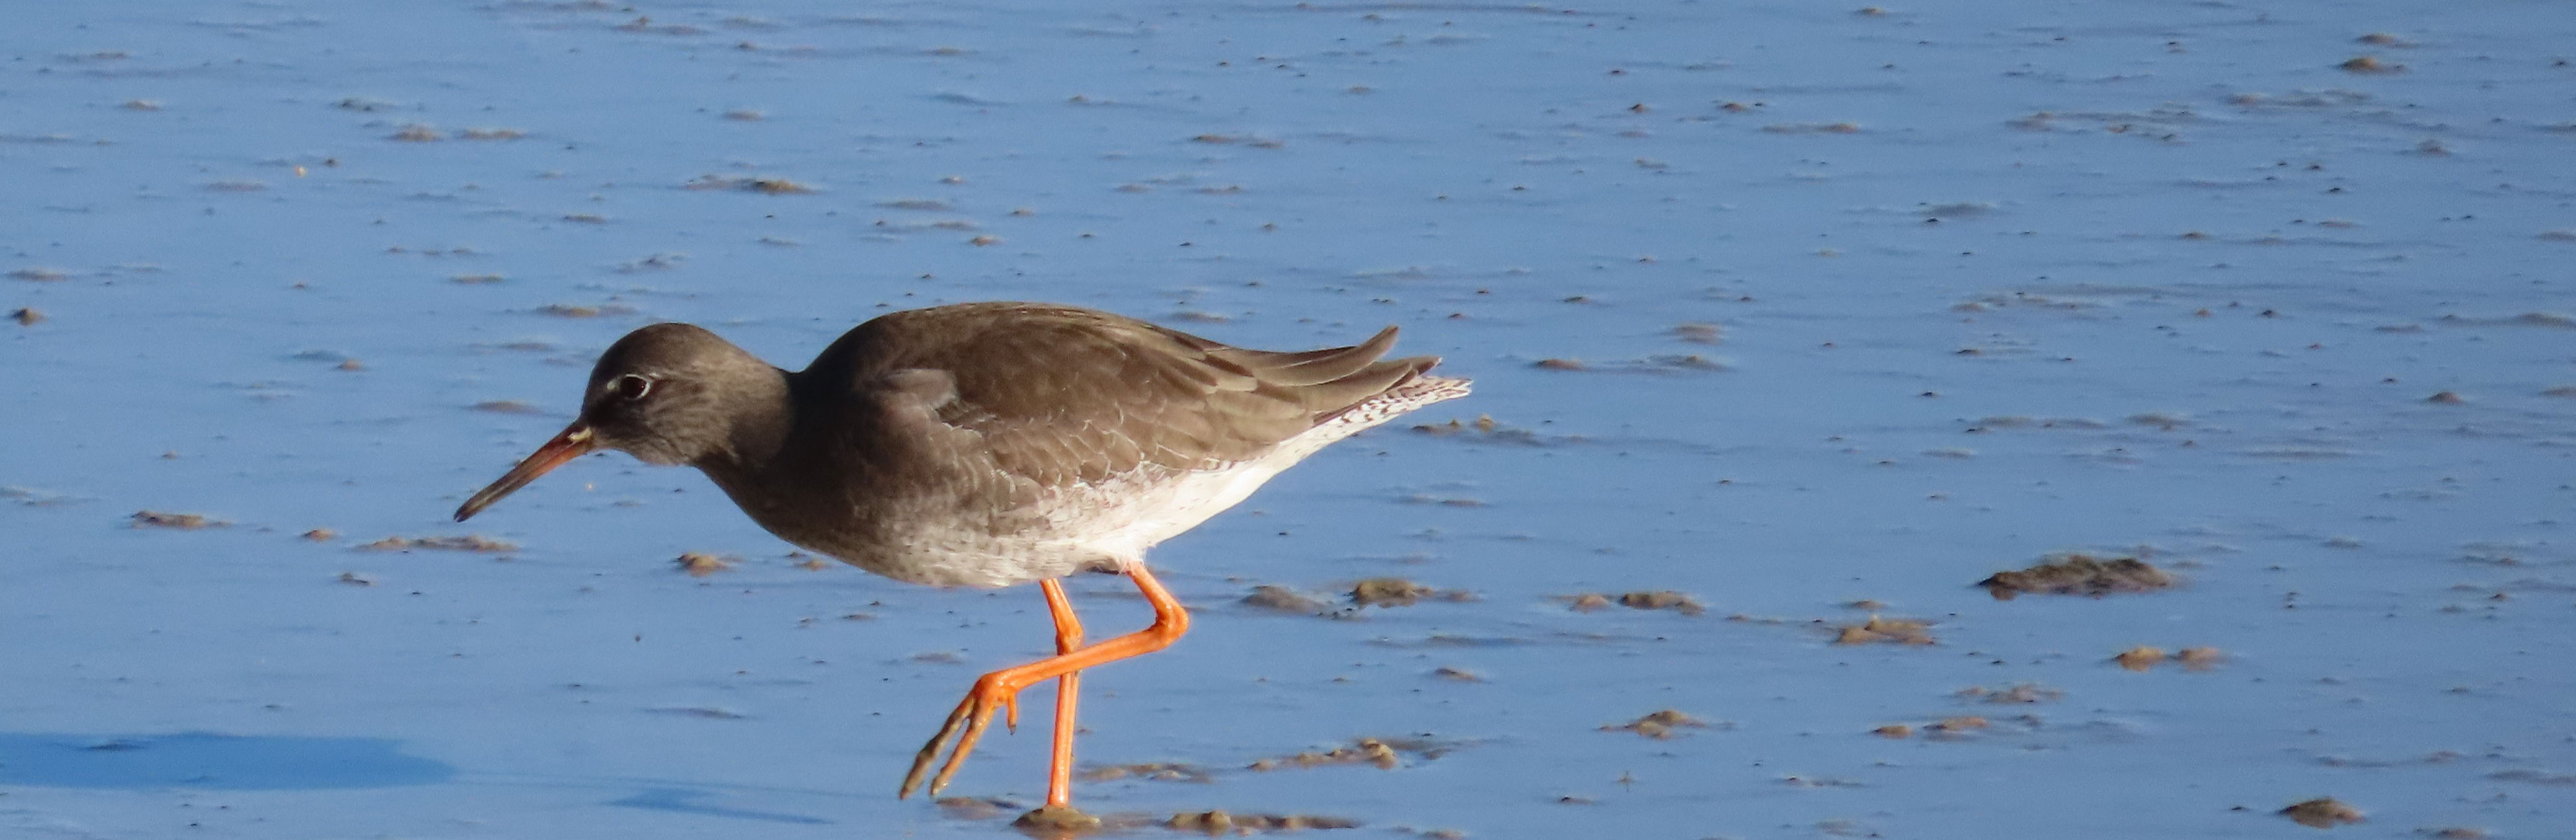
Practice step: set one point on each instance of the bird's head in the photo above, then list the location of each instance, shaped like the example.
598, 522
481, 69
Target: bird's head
667, 394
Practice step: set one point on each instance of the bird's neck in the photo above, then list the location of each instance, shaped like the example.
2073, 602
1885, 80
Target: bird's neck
759, 418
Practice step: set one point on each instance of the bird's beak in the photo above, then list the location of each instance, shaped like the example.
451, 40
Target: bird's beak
575, 440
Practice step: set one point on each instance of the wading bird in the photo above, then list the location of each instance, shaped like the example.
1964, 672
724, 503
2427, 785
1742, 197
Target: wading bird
988, 445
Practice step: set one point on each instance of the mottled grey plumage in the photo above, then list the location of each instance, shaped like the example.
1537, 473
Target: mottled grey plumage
988, 444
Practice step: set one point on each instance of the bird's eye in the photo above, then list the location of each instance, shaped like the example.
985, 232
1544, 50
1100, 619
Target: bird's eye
633, 387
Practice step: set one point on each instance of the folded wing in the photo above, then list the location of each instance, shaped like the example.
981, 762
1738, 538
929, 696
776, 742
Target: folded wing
1063, 395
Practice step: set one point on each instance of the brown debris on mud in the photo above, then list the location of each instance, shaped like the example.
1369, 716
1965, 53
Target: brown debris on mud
1056, 821
1659, 725
1960, 727
1660, 364
178, 521
1060, 823
2020, 693
701, 564
1399, 592
2140, 658
972, 808
2079, 574
1370, 751
1283, 599
1159, 771
1484, 428
2322, 812
1382, 753
2145, 657
1218, 823
1902, 631
2199, 658
1664, 599
574, 310
766, 186
469, 542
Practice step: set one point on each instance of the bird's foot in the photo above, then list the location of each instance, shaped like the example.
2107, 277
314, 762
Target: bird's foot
1000, 690
994, 692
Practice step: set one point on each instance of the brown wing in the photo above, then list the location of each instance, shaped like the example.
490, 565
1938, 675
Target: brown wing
1062, 395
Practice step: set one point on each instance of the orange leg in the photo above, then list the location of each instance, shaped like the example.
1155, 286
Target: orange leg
1000, 689
1068, 689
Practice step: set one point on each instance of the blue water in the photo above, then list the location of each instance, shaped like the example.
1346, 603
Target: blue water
1989, 281
211, 762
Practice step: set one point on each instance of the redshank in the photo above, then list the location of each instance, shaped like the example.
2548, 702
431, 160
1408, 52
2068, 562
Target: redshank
988, 445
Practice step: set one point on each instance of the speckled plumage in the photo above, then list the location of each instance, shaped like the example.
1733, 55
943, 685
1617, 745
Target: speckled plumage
991, 444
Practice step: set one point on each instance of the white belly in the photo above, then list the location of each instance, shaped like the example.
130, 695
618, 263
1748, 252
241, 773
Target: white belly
1108, 526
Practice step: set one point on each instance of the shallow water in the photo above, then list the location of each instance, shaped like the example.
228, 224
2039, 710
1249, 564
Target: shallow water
1988, 282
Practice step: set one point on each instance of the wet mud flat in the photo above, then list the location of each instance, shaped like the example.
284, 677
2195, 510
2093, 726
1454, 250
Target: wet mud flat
2230, 342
